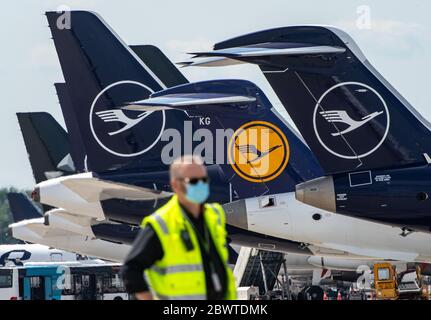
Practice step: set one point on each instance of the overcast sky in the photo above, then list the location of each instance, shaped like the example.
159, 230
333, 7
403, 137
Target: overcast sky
397, 44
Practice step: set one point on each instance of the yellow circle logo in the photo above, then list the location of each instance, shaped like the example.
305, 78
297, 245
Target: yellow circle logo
258, 151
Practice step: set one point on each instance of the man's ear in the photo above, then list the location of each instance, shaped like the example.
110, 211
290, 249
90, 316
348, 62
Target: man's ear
174, 185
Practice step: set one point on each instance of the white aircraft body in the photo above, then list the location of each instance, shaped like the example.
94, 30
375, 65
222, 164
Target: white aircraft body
282, 216
325, 233
36, 231
82, 193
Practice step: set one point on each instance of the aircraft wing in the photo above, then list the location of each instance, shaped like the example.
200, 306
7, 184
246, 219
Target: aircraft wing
93, 189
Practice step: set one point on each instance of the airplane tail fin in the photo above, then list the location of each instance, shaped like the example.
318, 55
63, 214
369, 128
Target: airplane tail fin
350, 116
47, 145
160, 65
150, 55
264, 154
102, 73
77, 150
22, 208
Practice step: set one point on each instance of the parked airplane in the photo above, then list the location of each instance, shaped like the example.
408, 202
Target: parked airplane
276, 212
317, 267
115, 186
97, 244
47, 144
298, 166
18, 254
56, 220
79, 191
32, 228
372, 144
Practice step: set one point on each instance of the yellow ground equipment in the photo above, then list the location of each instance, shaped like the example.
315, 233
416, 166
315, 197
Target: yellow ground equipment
406, 285
385, 281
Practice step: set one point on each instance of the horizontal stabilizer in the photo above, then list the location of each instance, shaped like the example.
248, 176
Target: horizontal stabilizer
38, 229
225, 57
184, 100
282, 49
93, 190
210, 62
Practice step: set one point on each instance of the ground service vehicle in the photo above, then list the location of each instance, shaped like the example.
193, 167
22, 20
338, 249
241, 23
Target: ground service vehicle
67, 281
385, 281
406, 285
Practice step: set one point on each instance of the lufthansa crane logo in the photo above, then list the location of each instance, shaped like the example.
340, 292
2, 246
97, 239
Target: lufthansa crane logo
117, 115
125, 133
351, 120
341, 116
258, 151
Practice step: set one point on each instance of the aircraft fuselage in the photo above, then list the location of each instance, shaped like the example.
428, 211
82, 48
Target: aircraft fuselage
398, 196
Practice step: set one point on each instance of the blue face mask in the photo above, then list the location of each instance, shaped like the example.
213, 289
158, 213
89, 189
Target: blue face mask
198, 193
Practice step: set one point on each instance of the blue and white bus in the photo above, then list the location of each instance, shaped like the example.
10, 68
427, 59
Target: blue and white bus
62, 281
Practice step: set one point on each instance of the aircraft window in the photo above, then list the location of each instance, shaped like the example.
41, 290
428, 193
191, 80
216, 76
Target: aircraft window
317, 216
267, 202
422, 196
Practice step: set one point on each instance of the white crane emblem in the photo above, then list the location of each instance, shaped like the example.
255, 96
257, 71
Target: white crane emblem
342, 116
117, 115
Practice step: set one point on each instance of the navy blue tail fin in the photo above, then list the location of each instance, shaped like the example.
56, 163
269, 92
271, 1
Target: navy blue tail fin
160, 65
22, 208
102, 73
350, 116
264, 154
151, 56
47, 145
77, 150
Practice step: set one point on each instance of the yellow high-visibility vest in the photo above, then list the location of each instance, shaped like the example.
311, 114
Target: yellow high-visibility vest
179, 275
